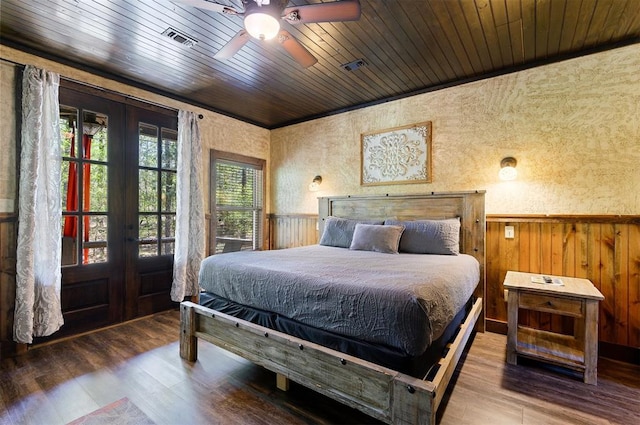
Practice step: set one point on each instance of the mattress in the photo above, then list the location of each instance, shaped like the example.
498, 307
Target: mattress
403, 301
417, 366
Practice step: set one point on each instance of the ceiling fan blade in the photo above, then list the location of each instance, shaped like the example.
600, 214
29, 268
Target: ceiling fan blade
296, 50
232, 47
345, 10
209, 5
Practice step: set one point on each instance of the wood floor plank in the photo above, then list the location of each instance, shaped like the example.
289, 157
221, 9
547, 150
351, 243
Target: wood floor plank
102, 386
70, 400
140, 360
33, 409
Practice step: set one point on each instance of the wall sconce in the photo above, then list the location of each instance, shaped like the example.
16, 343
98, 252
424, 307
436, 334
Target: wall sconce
508, 169
314, 186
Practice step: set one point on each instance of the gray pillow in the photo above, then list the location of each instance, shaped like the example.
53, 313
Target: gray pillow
429, 236
367, 237
339, 231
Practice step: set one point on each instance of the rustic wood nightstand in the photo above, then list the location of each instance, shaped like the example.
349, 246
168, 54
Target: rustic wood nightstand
576, 298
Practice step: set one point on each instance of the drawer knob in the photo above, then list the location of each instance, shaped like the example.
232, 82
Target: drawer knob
549, 303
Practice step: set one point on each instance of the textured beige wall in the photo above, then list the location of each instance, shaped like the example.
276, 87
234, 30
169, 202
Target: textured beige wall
217, 131
574, 128
8, 139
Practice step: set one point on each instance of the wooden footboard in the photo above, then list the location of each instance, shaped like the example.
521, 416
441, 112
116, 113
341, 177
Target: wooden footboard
380, 392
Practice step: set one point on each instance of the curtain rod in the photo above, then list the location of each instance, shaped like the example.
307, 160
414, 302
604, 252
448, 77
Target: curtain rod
126, 96
93, 86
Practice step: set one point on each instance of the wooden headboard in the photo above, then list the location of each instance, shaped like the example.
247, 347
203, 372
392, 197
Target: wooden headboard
468, 206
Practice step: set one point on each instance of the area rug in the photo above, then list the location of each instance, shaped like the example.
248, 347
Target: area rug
120, 412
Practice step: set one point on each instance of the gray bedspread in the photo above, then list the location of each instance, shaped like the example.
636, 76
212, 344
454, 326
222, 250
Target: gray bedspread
403, 301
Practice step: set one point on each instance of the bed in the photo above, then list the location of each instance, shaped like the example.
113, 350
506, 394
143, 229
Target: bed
296, 347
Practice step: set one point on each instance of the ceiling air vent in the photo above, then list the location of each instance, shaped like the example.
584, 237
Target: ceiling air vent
352, 66
180, 37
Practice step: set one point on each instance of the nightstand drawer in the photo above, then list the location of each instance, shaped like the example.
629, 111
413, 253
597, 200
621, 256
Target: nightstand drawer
549, 304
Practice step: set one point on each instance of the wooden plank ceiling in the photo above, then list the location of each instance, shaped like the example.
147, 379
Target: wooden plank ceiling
409, 46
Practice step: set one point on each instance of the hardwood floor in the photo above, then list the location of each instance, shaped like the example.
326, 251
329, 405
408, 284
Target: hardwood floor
58, 383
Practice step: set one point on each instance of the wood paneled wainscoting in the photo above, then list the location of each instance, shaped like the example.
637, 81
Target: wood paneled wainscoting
292, 230
8, 235
603, 249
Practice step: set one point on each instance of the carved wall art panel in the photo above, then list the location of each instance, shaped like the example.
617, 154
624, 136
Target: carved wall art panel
397, 156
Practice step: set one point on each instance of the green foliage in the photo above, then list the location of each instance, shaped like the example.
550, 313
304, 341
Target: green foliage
236, 194
157, 160
95, 171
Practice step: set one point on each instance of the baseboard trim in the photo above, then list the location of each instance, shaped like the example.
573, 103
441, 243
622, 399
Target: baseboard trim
12, 349
619, 352
496, 326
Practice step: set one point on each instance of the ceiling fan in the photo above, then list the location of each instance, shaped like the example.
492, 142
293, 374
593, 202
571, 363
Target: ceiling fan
262, 21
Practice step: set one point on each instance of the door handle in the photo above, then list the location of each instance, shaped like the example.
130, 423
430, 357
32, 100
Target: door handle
133, 240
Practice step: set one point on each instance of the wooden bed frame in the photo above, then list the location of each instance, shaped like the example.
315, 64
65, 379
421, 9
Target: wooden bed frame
380, 392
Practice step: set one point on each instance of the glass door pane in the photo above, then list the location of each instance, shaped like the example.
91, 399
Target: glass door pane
157, 175
84, 185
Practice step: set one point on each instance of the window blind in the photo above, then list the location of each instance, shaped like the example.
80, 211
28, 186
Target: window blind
239, 205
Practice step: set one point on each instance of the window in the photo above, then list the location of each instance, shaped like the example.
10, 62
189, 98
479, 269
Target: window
237, 192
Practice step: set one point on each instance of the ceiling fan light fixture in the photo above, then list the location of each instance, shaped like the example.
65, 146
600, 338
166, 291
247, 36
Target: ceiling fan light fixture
262, 26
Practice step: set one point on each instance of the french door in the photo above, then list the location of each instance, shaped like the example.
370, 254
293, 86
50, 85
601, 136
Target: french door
118, 188
151, 161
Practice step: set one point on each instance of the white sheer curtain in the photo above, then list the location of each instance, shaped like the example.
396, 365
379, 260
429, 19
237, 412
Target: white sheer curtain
190, 237
38, 311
